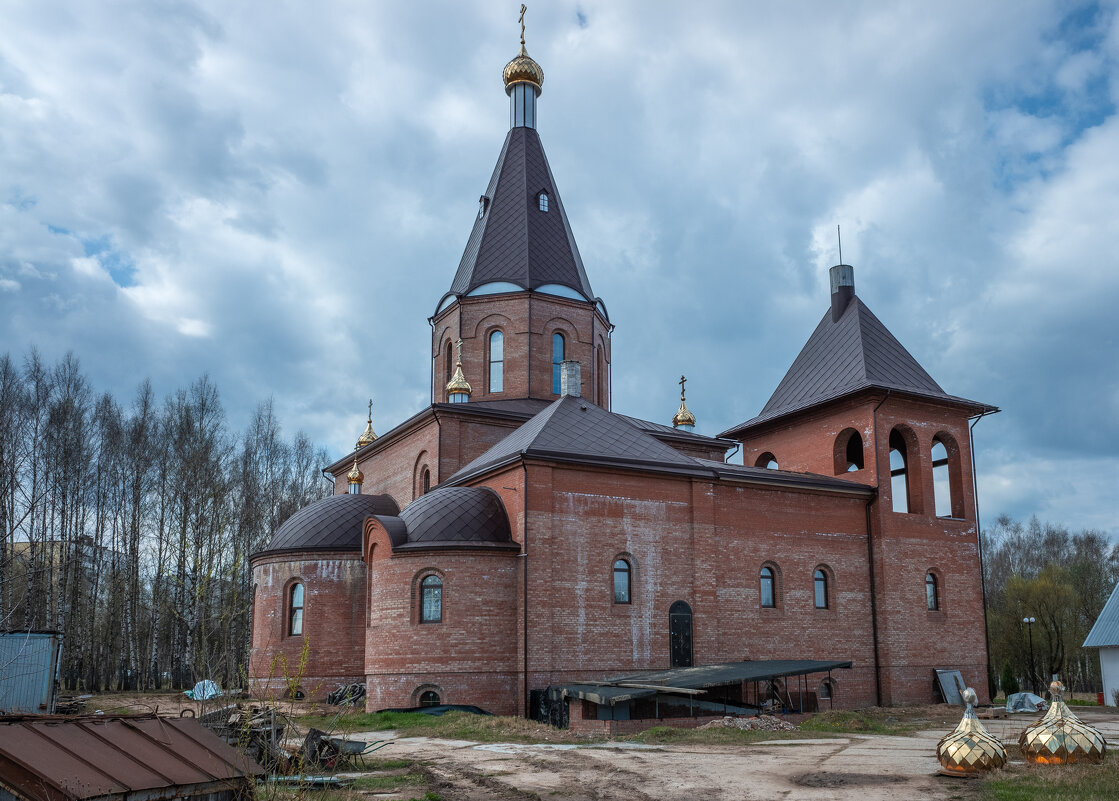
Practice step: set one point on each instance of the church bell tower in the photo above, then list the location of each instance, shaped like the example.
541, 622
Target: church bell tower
520, 302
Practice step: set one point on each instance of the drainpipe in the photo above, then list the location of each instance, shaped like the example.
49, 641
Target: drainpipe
731, 455
434, 358
870, 557
979, 541
524, 588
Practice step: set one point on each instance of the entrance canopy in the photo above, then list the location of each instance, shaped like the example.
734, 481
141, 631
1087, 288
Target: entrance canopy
694, 680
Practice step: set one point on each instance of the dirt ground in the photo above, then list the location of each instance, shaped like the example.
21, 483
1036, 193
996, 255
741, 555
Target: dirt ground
850, 767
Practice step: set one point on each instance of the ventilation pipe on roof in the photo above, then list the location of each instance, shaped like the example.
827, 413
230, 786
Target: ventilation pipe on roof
571, 381
842, 289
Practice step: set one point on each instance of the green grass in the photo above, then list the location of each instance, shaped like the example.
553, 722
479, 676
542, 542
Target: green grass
389, 781
857, 721
451, 726
1080, 782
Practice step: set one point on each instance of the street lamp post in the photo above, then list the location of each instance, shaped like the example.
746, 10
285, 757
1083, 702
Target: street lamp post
1029, 621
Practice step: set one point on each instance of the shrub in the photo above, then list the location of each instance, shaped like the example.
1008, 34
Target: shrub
1008, 680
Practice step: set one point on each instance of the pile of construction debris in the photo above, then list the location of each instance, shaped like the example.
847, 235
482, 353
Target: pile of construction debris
761, 723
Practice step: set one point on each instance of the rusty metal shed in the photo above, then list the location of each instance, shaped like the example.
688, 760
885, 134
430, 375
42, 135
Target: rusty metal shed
123, 758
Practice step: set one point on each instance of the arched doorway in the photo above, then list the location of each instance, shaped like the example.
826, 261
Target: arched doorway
680, 634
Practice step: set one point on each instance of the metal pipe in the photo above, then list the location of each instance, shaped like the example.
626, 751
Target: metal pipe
979, 541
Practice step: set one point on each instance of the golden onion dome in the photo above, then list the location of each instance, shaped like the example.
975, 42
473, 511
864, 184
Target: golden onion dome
969, 748
683, 416
367, 436
458, 385
355, 475
1059, 738
523, 69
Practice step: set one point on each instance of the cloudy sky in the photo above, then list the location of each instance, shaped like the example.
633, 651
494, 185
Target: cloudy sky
279, 193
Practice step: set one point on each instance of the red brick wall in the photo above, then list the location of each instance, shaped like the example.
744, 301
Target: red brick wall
913, 640
470, 655
527, 321
333, 613
394, 469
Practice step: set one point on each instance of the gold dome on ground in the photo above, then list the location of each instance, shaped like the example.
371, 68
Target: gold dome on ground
683, 416
1059, 738
970, 748
367, 436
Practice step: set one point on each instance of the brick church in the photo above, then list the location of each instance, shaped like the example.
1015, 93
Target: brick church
519, 534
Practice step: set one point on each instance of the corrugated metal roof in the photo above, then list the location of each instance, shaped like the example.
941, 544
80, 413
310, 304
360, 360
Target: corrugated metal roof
1105, 631
845, 356
513, 240
704, 676
57, 759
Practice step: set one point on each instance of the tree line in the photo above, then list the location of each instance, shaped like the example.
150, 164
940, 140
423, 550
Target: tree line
127, 526
1061, 580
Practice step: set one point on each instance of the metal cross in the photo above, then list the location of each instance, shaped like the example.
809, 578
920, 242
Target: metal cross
370, 410
524, 8
682, 382
459, 343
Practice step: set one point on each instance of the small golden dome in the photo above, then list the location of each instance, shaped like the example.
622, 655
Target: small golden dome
458, 385
1059, 738
367, 436
683, 416
523, 69
969, 748
355, 475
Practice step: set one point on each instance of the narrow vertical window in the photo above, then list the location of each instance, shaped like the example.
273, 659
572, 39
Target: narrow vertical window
431, 600
542, 201
557, 362
899, 473
450, 363
497, 360
295, 616
932, 598
820, 584
942, 485
621, 582
766, 578
426, 481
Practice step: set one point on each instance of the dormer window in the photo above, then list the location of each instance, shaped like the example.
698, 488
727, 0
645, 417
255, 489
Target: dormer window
483, 201
542, 201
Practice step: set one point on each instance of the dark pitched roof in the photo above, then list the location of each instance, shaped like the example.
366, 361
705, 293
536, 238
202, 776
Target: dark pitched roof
514, 241
853, 353
574, 429
332, 524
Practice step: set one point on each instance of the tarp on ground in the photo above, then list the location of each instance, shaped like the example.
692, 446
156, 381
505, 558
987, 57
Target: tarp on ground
1025, 702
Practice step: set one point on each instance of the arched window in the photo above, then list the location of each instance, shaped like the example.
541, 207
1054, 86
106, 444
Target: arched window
768, 594
820, 588
680, 634
497, 360
431, 600
557, 362
768, 461
295, 610
899, 472
848, 451
542, 201
621, 581
449, 362
426, 481
942, 483
429, 698
932, 597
